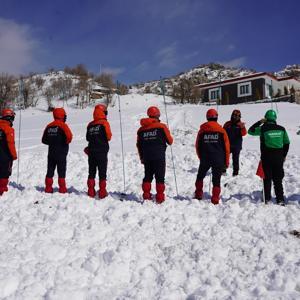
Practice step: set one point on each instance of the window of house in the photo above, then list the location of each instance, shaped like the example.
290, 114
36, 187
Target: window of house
214, 94
244, 89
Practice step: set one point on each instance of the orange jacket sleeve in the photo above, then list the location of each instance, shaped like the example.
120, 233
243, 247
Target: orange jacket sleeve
68, 133
107, 130
168, 135
10, 137
243, 131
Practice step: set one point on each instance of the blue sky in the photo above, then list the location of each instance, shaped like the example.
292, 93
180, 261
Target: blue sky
139, 40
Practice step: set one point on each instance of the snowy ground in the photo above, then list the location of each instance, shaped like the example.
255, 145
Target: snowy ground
71, 247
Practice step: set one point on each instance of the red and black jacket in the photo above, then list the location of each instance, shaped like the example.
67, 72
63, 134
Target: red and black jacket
98, 134
235, 132
57, 135
152, 139
212, 144
7, 142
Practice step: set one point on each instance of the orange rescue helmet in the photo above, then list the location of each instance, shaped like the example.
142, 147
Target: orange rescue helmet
212, 115
103, 107
7, 112
153, 112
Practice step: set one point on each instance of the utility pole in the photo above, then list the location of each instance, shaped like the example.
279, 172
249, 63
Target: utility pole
220, 91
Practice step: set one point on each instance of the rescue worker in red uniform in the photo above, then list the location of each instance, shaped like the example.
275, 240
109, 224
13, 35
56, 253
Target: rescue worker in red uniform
7, 147
57, 135
235, 129
98, 135
152, 139
213, 150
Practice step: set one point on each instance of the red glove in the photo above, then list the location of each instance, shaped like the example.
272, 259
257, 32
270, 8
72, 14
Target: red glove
86, 150
241, 124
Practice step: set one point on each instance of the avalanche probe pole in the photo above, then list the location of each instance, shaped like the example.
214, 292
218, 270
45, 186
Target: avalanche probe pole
19, 146
162, 85
122, 146
21, 88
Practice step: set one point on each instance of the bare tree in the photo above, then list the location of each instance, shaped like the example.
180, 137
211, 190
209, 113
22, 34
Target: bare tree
8, 89
49, 93
78, 70
39, 82
196, 95
123, 89
82, 90
106, 80
147, 89
62, 88
182, 91
29, 93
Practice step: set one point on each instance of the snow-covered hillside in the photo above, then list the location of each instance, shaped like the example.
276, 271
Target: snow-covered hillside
290, 70
74, 247
200, 74
208, 73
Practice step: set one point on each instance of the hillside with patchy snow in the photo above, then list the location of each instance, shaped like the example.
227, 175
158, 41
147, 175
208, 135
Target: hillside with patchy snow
200, 74
74, 247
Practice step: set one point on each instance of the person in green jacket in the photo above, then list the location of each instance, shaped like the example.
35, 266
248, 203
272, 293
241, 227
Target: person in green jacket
274, 146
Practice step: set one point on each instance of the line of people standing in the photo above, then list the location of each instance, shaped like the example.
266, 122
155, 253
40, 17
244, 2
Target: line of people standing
214, 144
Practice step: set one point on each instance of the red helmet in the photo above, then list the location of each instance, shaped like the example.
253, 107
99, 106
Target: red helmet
212, 114
59, 113
7, 112
153, 112
103, 107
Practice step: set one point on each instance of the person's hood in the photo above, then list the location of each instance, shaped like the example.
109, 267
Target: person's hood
148, 121
99, 114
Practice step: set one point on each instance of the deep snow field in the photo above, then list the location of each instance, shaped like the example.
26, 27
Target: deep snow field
74, 247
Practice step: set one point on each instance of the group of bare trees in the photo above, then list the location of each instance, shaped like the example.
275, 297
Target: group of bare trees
10, 90
75, 81
84, 86
184, 91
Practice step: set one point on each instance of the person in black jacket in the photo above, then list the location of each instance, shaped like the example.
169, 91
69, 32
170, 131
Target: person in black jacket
274, 147
212, 147
57, 135
98, 135
152, 139
235, 129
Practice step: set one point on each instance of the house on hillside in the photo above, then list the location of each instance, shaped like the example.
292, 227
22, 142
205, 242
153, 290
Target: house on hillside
248, 88
98, 92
